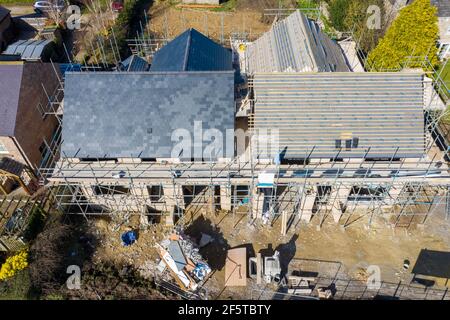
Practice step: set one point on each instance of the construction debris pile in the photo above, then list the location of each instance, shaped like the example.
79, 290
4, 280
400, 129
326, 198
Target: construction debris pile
180, 258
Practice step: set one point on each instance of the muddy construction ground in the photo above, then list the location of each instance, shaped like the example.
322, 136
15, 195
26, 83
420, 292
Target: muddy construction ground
248, 17
331, 254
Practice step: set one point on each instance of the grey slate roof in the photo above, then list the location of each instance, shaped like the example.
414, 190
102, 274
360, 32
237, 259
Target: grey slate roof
443, 7
10, 84
295, 44
383, 111
133, 114
192, 51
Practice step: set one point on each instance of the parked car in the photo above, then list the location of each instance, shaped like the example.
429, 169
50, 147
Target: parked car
46, 6
117, 5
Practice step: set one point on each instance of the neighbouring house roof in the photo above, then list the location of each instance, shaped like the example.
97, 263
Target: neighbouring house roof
192, 51
3, 13
443, 7
133, 114
295, 44
10, 86
32, 50
133, 63
382, 111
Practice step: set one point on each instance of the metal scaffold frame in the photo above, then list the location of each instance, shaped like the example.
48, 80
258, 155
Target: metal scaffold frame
121, 188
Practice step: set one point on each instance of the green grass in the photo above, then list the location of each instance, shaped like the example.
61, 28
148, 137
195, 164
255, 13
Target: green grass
17, 288
230, 5
307, 4
35, 224
445, 76
311, 8
17, 2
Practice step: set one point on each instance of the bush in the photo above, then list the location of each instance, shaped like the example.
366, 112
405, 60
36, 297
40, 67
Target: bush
105, 281
356, 20
35, 224
414, 32
48, 256
14, 264
60, 244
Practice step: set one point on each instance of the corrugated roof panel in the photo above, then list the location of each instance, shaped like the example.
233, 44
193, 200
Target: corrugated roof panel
39, 49
384, 111
31, 46
12, 48
28, 49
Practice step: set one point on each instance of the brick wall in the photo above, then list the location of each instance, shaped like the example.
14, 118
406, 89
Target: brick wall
31, 127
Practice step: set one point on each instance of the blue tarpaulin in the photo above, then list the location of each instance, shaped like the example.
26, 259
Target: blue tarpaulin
128, 238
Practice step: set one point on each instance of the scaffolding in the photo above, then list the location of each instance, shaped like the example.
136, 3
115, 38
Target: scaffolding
16, 213
408, 190
329, 188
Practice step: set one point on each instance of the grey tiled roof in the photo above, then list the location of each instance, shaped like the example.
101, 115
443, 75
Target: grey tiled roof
192, 51
382, 111
133, 114
10, 83
443, 7
295, 44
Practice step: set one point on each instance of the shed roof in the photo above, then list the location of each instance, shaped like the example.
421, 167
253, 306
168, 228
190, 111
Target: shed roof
295, 44
133, 114
28, 49
192, 51
10, 84
382, 111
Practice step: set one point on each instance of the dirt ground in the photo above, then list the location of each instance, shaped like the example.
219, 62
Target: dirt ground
247, 17
344, 254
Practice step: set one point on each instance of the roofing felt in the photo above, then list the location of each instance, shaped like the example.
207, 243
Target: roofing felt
295, 44
133, 114
10, 84
443, 7
192, 51
28, 49
134, 63
380, 115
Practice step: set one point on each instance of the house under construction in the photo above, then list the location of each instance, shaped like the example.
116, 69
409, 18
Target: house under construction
225, 134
